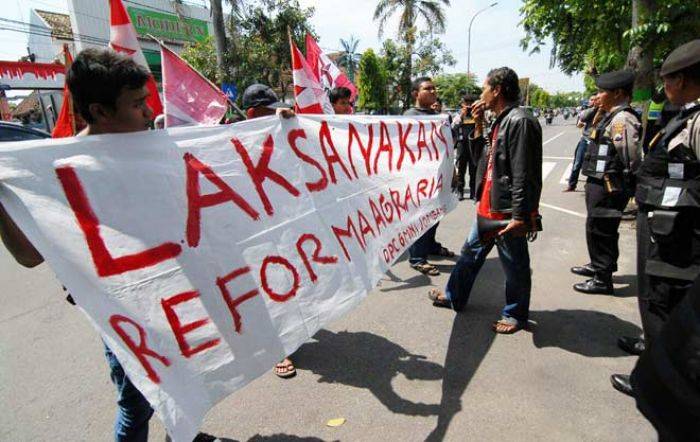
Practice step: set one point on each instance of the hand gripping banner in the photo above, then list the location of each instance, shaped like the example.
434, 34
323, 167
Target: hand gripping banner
205, 255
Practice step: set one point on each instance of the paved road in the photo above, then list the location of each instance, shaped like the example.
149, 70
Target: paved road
396, 368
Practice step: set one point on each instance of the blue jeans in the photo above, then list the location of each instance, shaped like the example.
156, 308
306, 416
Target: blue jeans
424, 246
134, 411
515, 259
578, 161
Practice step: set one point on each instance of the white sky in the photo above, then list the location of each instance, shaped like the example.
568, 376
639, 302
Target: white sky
495, 35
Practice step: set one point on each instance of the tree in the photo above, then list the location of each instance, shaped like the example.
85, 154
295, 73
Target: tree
430, 56
260, 52
596, 36
221, 39
348, 57
410, 10
451, 86
203, 57
372, 82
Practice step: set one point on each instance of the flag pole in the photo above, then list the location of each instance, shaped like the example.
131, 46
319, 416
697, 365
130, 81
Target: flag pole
71, 110
163, 45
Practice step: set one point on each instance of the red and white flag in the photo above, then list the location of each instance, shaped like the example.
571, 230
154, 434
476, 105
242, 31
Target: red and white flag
123, 39
309, 94
65, 124
189, 97
325, 71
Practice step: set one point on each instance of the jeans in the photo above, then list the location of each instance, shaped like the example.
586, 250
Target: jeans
424, 246
515, 259
578, 161
134, 411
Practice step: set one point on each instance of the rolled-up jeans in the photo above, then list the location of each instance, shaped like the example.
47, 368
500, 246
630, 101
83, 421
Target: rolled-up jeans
579, 154
133, 410
515, 259
425, 245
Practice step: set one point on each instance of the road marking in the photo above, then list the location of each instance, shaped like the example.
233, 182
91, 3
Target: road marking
558, 158
547, 168
560, 209
567, 174
553, 138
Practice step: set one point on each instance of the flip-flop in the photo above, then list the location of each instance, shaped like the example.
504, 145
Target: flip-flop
291, 371
434, 295
515, 327
426, 269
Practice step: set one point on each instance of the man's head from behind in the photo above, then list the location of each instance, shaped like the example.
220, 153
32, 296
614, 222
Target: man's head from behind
340, 99
109, 91
423, 92
500, 89
260, 100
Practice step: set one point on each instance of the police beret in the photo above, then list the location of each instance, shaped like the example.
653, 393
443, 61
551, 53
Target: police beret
682, 57
615, 80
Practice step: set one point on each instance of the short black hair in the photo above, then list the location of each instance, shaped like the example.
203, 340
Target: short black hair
507, 79
99, 76
338, 93
415, 85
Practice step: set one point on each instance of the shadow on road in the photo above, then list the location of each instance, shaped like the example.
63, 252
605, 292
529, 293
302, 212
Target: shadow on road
418, 280
470, 340
365, 360
585, 332
284, 438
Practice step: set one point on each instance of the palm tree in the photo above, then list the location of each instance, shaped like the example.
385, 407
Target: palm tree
431, 11
349, 58
221, 41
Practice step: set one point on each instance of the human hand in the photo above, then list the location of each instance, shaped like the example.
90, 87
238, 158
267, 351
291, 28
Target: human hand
286, 113
515, 227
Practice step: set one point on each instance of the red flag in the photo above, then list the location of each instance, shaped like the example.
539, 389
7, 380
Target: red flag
123, 39
189, 97
65, 124
309, 94
325, 71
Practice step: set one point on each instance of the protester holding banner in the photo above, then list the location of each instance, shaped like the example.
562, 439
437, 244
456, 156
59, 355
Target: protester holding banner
109, 91
340, 99
508, 200
424, 93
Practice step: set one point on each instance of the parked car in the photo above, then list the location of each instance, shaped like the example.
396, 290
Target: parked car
17, 132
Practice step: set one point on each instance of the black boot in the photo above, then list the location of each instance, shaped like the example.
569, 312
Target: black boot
632, 345
621, 383
584, 270
595, 286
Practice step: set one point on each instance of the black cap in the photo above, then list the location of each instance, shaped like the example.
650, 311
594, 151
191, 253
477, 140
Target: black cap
682, 57
258, 94
615, 80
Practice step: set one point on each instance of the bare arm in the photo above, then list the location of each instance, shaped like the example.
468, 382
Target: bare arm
15, 241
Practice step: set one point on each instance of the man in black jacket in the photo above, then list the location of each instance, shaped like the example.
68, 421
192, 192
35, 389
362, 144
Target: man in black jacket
462, 127
509, 181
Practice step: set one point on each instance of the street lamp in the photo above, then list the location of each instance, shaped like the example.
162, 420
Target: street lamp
469, 35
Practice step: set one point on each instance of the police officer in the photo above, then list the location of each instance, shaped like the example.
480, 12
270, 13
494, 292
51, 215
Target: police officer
610, 162
668, 196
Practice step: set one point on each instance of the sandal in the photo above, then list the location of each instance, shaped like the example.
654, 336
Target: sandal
285, 369
444, 252
426, 269
506, 326
439, 299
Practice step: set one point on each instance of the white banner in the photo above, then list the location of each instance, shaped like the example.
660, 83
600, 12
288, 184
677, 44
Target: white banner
205, 255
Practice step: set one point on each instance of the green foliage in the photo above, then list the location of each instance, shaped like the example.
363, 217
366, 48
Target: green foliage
428, 57
597, 35
450, 87
372, 82
410, 10
539, 97
261, 51
202, 57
